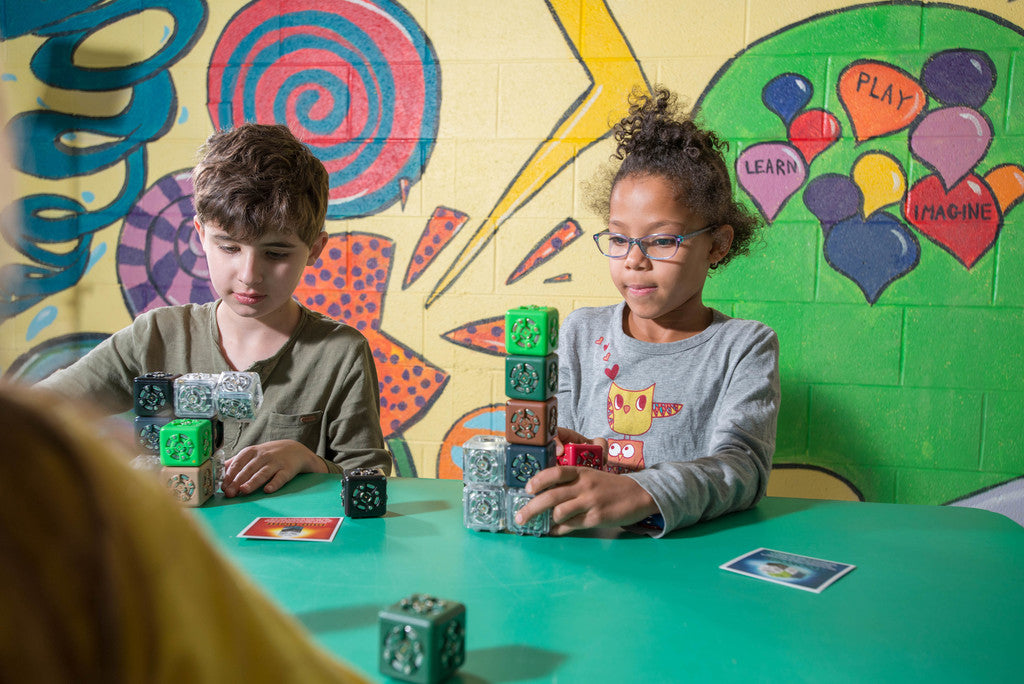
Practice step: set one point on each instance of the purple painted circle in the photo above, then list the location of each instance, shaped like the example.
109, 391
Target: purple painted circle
160, 260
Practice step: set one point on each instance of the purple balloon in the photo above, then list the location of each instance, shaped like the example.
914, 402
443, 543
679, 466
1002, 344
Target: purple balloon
873, 253
771, 172
959, 77
951, 141
833, 197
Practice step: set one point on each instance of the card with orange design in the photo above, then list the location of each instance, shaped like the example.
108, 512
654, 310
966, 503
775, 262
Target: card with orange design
292, 529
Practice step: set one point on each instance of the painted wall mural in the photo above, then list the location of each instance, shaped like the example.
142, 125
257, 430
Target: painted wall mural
57, 231
359, 82
935, 104
889, 174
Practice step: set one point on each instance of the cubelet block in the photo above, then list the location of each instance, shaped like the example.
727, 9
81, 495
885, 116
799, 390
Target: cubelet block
239, 395
422, 639
531, 330
586, 455
365, 493
534, 378
537, 525
154, 394
147, 432
195, 395
186, 442
523, 461
483, 508
483, 460
531, 422
191, 485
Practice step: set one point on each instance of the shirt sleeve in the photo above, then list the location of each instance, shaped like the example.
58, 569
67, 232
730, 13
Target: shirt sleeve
357, 440
733, 476
105, 376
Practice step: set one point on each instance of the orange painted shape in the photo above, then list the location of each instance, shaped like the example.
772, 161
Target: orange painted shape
1007, 184
879, 98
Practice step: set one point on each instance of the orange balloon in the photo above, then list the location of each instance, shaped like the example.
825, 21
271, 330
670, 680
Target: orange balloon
1007, 183
879, 98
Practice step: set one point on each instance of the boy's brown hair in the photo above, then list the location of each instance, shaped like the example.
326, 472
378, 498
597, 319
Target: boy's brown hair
257, 179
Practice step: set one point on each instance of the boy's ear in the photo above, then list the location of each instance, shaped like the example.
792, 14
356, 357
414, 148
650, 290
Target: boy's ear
199, 228
318, 246
721, 242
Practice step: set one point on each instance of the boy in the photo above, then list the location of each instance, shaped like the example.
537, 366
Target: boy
261, 202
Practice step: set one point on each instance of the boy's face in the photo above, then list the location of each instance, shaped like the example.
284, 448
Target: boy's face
662, 294
256, 279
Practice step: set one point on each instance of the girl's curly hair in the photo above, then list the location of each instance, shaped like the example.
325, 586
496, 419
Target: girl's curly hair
658, 138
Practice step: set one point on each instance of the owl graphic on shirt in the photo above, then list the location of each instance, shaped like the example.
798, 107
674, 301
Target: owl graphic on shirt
632, 412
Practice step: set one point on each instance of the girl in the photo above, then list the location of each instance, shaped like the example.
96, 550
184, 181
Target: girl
683, 398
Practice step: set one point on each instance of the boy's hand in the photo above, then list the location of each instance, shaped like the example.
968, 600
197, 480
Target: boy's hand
580, 498
269, 465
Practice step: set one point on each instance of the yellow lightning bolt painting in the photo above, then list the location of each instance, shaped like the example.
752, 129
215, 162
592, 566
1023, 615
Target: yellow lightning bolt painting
598, 43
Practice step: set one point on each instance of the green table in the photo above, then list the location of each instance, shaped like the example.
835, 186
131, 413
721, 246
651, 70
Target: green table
938, 593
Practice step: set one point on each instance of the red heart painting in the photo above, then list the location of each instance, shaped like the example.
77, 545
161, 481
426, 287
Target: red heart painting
612, 372
964, 221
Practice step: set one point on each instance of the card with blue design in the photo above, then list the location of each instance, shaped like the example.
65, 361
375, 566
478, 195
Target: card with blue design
789, 569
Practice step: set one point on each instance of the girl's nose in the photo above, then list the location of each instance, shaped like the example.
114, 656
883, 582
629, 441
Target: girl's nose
635, 257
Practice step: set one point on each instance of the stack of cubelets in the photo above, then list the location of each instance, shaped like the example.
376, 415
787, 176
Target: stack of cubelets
495, 470
174, 417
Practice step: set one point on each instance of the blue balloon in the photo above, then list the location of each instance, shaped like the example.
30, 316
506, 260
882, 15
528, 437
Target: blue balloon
872, 252
786, 95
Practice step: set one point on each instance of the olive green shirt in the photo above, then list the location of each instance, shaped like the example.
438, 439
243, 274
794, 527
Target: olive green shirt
319, 389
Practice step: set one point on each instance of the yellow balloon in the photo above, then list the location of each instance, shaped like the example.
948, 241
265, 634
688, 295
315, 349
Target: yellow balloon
880, 179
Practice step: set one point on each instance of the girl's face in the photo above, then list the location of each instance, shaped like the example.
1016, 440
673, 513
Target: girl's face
663, 297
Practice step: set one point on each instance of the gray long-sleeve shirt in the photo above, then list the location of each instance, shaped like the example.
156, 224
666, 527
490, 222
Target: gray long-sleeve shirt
319, 389
693, 421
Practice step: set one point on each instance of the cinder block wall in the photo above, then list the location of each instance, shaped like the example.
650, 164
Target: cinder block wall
901, 369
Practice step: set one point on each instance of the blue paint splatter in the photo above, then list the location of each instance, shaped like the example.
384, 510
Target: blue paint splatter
489, 420
42, 104
167, 32
88, 196
8, 77
96, 255
184, 115
46, 316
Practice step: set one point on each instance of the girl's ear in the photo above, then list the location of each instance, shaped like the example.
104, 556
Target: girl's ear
721, 243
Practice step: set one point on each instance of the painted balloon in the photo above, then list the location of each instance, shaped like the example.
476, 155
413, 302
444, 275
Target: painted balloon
872, 252
833, 197
952, 141
880, 178
787, 94
814, 131
770, 173
879, 98
1007, 184
964, 220
959, 77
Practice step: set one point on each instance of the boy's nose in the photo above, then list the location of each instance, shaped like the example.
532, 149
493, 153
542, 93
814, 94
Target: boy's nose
250, 273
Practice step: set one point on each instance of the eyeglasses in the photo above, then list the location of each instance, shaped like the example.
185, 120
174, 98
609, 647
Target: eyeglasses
657, 247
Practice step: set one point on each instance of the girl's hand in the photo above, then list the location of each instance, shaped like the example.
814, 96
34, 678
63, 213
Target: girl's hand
581, 498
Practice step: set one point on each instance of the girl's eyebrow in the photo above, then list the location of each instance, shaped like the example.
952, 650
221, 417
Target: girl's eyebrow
656, 224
